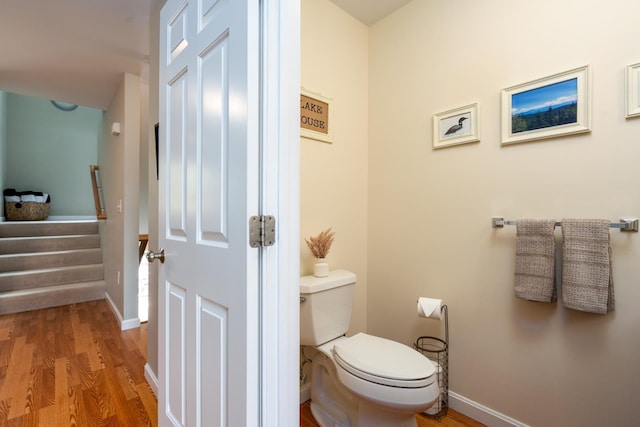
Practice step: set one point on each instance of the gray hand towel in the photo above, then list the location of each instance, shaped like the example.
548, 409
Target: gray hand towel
587, 280
535, 260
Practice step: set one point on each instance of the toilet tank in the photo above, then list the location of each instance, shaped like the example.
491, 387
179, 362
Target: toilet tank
325, 313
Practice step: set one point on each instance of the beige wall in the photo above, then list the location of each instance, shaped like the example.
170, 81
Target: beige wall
118, 158
152, 333
430, 211
146, 139
333, 186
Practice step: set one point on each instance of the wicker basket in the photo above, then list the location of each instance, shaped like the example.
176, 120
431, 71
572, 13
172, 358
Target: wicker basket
26, 211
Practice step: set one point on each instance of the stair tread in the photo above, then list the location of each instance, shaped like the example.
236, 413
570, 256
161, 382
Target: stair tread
49, 269
46, 237
61, 251
45, 253
43, 244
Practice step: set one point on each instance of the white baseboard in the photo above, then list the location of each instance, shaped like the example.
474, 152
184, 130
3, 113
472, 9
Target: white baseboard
305, 392
481, 413
53, 218
124, 323
130, 324
151, 379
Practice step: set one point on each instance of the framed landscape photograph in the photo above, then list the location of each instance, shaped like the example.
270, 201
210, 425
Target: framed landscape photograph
633, 90
457, 126
549, 107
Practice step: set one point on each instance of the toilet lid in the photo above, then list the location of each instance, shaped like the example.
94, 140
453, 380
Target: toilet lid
383, 361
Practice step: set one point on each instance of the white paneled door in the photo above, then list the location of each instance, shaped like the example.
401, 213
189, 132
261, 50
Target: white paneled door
208, 189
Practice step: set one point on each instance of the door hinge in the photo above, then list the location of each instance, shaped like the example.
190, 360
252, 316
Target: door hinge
262, 231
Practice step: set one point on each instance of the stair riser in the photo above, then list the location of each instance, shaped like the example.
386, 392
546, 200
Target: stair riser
48, 263
24, 280
45, 228
23, 262
53, 297
22, 245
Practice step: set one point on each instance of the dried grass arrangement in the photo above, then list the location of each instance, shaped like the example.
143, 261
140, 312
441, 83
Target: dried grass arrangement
320, 244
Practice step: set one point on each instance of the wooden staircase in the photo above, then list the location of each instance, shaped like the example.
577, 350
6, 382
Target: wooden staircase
48, 264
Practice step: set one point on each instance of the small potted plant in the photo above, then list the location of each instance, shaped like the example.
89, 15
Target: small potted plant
319, 246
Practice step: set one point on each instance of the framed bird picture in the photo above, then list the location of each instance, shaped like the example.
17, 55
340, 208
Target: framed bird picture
633, 90
457, 126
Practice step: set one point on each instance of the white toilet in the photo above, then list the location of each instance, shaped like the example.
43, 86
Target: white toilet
363, 380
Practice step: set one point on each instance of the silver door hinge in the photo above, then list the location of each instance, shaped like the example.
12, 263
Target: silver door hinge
262, 231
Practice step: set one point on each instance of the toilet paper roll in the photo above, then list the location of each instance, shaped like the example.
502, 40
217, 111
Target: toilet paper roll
429, 307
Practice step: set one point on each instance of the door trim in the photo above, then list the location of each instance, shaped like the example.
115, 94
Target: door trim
280, 270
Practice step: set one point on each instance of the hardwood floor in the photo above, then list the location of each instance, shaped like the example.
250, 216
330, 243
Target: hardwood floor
452, 419
73, 366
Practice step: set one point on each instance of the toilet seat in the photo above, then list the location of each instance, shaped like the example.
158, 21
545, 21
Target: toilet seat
382, 361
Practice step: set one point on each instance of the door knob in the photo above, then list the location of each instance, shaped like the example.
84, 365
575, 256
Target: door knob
152, 256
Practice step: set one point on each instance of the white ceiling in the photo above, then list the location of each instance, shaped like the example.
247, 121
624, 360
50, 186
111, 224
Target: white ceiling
76, 50
370, 11
72, 50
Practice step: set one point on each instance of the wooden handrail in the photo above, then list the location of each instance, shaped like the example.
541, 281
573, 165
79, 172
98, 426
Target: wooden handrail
143, 240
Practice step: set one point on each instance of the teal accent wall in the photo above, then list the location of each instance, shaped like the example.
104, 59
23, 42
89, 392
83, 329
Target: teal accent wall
50, 150
3, 140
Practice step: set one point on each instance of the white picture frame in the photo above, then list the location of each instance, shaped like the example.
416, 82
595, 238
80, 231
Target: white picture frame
633, 90
316, 116
548, 107
457, 126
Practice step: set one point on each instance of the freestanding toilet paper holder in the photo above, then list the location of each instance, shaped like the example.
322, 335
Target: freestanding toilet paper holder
437, 350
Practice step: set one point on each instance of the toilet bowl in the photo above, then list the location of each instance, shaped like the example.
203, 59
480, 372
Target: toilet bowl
361, 380
370, 381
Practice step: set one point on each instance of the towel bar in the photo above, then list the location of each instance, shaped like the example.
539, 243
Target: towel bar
625, 224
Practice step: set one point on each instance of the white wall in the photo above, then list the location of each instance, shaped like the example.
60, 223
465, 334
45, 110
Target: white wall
50, 150
430, 210
118, 158
333, 186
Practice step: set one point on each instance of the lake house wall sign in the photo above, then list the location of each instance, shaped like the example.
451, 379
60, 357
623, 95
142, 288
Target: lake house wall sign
315, 116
